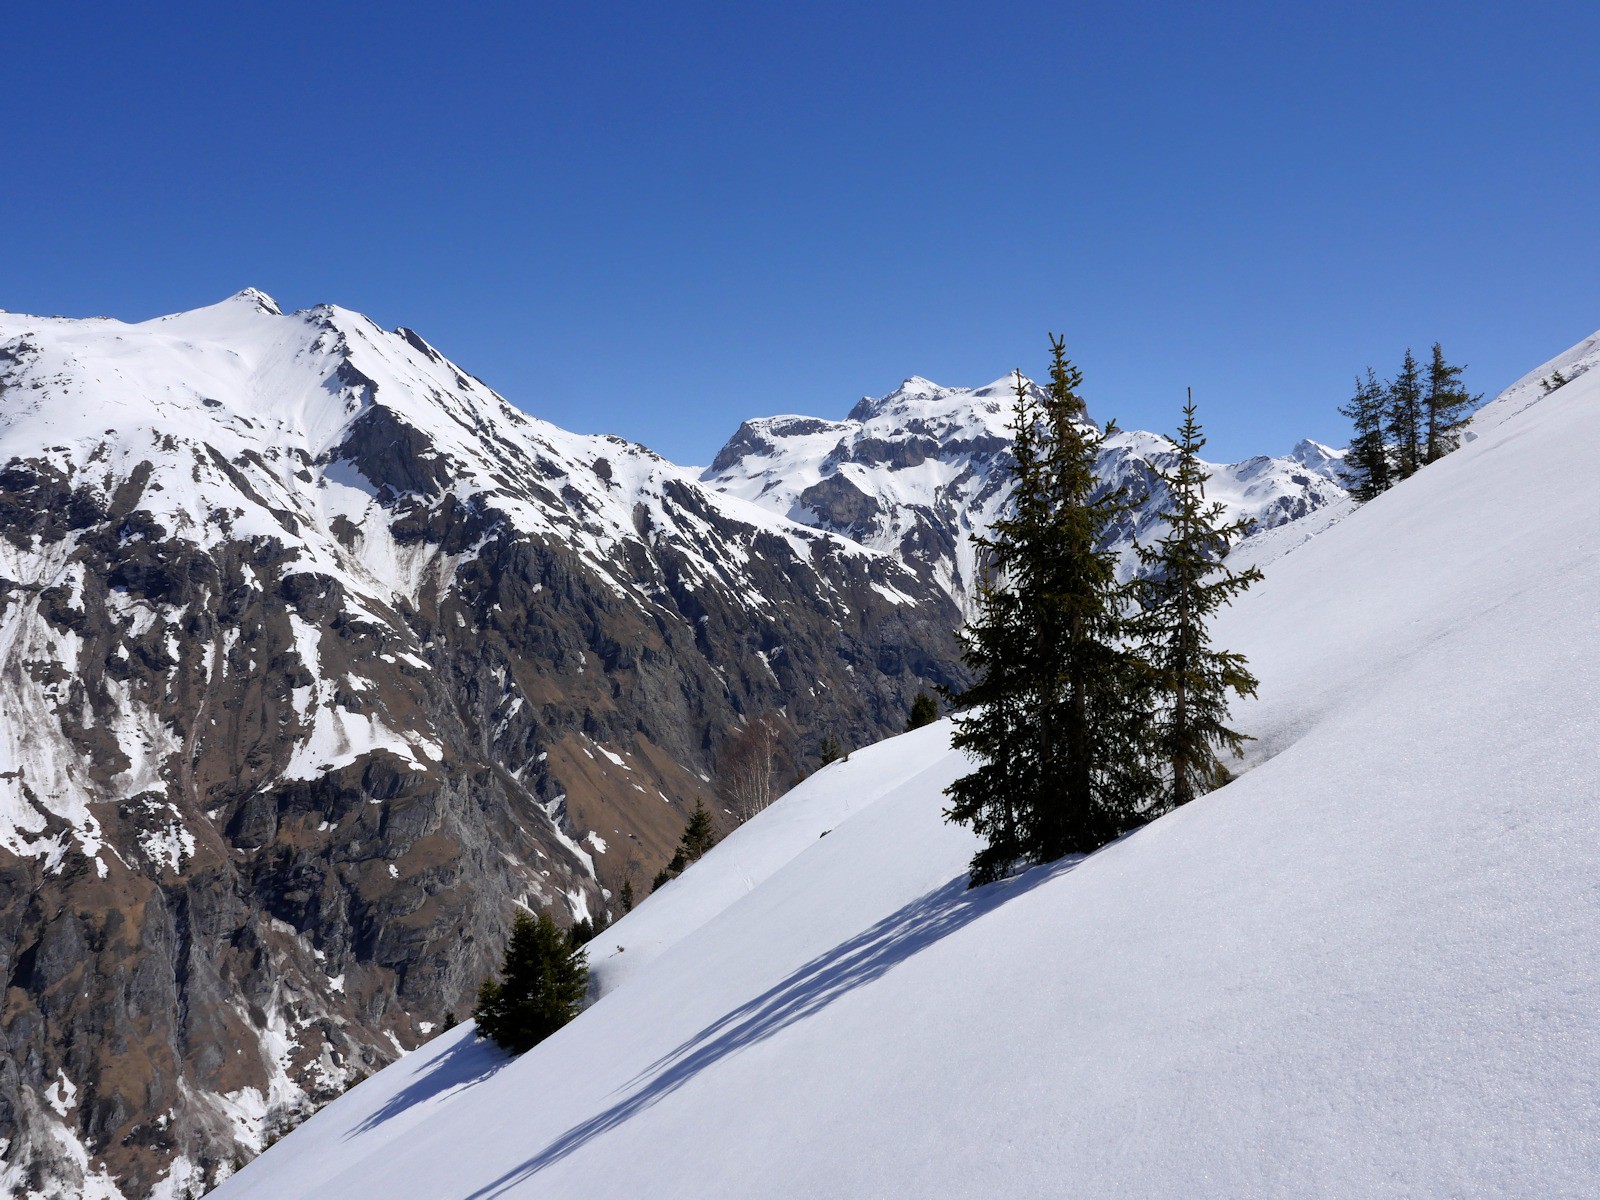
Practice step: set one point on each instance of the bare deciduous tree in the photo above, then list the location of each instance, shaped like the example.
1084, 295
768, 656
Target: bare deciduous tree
745, 767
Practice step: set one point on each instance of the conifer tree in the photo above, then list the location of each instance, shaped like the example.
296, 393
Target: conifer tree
1056, 719
1446, 403
924, 711
829, 750
542, 985
627, 896
698, 835
1184, 583
1368, 455
1404, 417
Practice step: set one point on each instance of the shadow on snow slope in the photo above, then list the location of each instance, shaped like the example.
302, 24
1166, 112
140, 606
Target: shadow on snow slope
468, 1063
860, 960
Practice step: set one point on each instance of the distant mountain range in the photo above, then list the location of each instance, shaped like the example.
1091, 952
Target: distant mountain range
318, 658
915, 473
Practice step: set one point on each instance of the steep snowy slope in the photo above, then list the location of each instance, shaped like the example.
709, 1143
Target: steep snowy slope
916, 472
1366, 967
316, 658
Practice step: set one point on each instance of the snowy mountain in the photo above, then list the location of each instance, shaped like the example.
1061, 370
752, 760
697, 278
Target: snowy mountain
917, 472
1365, 967
317, 658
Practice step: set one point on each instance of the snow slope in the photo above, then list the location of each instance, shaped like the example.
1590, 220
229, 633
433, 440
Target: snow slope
1366, 967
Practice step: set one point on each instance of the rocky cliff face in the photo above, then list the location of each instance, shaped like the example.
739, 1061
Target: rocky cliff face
316, 659
917, 472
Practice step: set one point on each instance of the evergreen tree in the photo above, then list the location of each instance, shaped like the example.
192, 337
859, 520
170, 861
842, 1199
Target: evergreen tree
1183, 585
1056, 719
924, 711
698, 835
1368, 455
1404, 417
542, 985
829, 750
1446, 402
627, 896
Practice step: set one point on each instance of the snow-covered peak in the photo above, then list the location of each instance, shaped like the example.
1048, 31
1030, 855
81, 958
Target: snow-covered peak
918, 471
258, 298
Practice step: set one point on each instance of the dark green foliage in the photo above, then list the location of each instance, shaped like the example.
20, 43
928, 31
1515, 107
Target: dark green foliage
585, 931
698, 836
1184, 583
924, 711
1553, 381
1446, 403
1057, 720
829, 750
542, 985
1368, 455
1404, 418
449, 1022
627, 895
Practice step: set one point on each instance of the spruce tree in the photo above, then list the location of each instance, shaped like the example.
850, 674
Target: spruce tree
924, 711
1404, 417
542, 985
1368, 455
1184, 583
1446, 403
829, 751
1056, 720
627, 896
698, 835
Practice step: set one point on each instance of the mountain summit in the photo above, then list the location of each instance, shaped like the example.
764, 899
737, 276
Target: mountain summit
917, 472
317, 661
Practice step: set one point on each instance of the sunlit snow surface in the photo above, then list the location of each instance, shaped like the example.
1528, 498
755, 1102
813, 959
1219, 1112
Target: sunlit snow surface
1366, 968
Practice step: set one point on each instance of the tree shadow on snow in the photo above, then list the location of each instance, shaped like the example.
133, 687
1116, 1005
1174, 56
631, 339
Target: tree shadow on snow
469, 1062
857, 961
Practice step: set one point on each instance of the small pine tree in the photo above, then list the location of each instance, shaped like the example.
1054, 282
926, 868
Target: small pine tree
829, 750
542, 985
1555, 380
627, 895
1446, 402
924, 711
1184, 583
1404, 417
698, 835
1368, 456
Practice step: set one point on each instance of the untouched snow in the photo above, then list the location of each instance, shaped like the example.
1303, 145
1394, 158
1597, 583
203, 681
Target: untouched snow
1365, 968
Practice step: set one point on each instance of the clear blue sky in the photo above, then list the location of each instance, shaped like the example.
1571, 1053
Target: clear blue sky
656, 219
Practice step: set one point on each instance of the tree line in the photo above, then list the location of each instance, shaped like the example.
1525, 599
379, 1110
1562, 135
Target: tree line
1404, 424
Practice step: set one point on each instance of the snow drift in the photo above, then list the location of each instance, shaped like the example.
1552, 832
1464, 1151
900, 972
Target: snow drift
1366, 967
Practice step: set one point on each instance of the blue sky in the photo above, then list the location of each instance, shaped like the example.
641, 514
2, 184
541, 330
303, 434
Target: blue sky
655, 219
